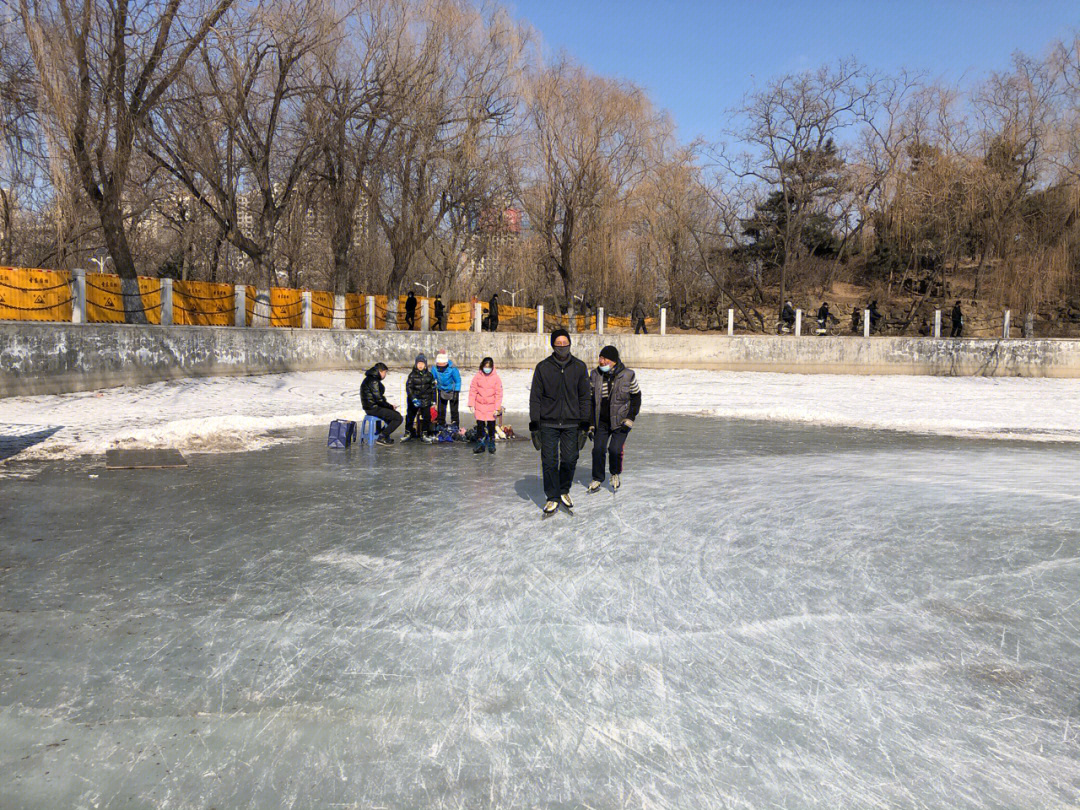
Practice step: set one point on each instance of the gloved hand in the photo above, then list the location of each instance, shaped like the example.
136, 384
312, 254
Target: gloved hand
592, 433
416, 402
583, 434
628, 423
535, 435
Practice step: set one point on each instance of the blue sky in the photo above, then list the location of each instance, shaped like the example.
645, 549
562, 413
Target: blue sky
698, 58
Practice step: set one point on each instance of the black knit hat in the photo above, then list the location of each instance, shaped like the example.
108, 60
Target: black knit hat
559, 333
610, 353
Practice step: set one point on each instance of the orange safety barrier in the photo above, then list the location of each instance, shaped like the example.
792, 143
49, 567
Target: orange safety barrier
286, 307
355, 311
203, 303
106, 301
322, 310
35, 295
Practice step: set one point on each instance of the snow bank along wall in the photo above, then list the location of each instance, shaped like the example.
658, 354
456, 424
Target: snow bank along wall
50, 358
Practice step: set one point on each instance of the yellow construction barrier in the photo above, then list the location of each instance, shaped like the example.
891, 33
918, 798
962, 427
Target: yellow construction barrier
107, 303
355, 311
203, 303
286, 307
34, 295
322, 310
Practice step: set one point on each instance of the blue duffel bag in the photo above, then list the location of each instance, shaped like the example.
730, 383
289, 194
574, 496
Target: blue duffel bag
342, 433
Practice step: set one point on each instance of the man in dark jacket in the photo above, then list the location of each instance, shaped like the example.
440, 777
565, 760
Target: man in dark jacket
957, 321
440, 313
560, 414
875, 316
616, 402
420, 389
410, 310
493, 313
373, 400
637, 316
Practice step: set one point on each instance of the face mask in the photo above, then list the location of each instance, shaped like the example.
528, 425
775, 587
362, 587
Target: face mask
488, 370
605, 369
562, 352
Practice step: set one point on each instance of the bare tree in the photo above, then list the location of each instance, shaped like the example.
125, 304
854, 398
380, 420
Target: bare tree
238, 132
104, 67
587, 142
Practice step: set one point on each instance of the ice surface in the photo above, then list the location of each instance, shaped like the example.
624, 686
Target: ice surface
231, 413
767, 615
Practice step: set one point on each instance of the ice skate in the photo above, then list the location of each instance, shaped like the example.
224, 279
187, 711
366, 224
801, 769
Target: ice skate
615, 483
593, 487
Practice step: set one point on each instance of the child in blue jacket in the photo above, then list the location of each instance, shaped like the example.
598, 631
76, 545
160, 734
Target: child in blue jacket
448, 383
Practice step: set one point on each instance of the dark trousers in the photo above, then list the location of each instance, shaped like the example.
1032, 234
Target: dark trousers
391, 417
639, 327
558, 457
485, 430
454, 415
410, 320
421, 412
440, 326
608, 443
957, 330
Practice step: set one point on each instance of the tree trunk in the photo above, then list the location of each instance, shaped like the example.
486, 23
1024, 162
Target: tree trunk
112, 228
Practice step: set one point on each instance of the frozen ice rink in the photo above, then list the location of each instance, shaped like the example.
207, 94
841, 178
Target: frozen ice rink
767, 615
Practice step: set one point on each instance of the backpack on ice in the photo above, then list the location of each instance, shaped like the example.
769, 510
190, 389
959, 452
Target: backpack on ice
342, 433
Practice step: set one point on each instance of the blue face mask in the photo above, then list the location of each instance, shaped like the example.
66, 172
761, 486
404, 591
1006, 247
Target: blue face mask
606, 369
487, 370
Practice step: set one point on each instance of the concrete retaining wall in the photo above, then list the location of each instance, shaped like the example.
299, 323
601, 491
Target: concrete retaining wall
50, 358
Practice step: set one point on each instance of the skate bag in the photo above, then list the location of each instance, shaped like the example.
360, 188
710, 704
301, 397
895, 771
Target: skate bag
342, 434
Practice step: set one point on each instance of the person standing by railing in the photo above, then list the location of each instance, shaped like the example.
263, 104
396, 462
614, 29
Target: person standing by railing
440, 314
957, 321
410, 310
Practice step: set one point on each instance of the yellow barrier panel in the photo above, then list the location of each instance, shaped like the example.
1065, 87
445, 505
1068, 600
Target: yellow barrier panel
34, 295
105, 301
355, 310
322, 310
286, 308
203, 303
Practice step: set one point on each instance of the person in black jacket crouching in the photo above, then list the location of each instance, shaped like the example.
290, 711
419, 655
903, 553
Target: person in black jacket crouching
373, 400
560, 415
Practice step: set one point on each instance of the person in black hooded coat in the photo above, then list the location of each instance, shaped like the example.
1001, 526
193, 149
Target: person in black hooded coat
373, 400
420, 389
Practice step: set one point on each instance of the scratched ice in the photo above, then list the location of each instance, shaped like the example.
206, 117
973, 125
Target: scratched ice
765, 616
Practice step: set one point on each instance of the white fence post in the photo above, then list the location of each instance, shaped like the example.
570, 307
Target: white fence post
425, 315
260, 314
731, 322
78, 295
1005, 330
937, 323
599, 320
798, 323
663, 320
339, 312
1029, 325
391, 312
239, 305
866, 323
370, 321
305, 309
540, 319
166, 302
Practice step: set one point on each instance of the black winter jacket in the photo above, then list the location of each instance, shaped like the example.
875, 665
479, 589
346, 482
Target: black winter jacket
421, 385
372, 391
561, 396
